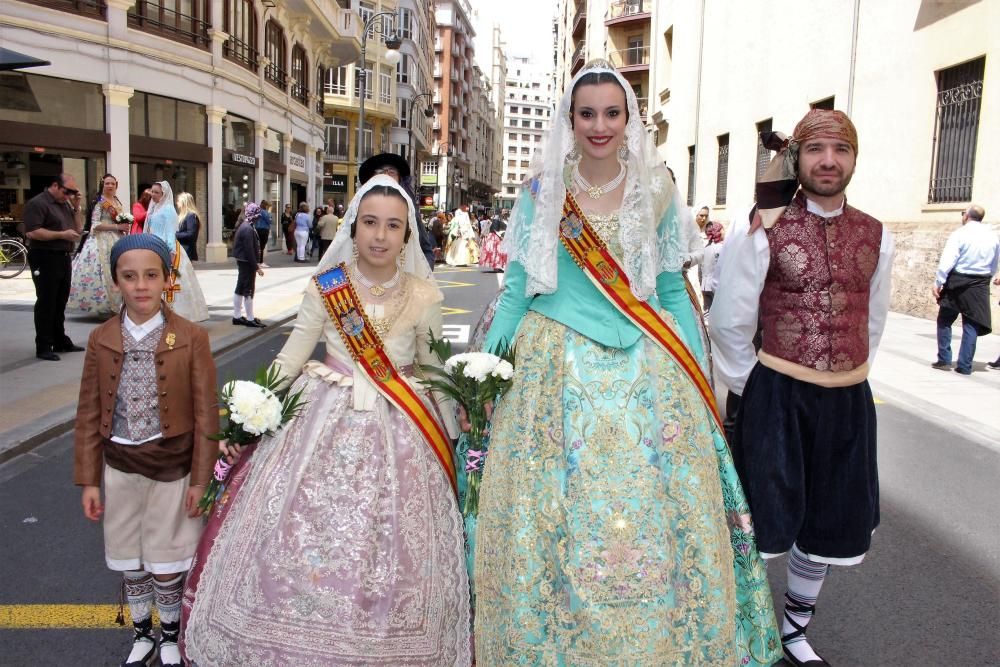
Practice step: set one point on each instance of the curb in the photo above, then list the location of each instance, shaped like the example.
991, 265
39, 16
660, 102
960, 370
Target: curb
23, 439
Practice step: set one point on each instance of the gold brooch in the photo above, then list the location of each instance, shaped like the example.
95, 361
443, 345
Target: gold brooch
170, 340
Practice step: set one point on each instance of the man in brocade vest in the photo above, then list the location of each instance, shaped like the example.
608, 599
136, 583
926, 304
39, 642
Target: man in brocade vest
817, 274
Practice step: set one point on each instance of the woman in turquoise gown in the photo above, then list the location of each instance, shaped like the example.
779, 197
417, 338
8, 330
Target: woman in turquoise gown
612, 527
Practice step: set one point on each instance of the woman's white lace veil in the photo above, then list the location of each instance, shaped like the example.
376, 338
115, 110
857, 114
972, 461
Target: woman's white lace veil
166, 203
649, 248
342, 247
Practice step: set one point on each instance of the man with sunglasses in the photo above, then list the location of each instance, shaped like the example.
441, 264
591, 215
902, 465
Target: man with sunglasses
53, 222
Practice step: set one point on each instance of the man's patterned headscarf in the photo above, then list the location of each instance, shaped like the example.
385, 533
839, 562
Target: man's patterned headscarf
780, 180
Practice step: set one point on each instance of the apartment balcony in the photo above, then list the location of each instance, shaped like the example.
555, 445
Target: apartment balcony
437, 123
643, 107
437, 71
580, 19
339, 28
436, 97
465, 85
577, 61
438, 44
190, 29
635, 59
454, 74
626, 12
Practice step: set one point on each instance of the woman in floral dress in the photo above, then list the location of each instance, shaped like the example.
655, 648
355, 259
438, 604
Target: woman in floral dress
612, 527
342, 542
92, 290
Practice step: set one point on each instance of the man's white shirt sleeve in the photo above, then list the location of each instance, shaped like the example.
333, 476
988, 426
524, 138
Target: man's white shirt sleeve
733, 323
880, 293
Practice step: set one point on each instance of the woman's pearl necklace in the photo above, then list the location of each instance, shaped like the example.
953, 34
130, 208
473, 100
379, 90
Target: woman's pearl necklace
596, 192
377, 289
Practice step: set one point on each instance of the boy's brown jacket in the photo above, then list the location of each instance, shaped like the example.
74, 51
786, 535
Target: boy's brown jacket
185, 383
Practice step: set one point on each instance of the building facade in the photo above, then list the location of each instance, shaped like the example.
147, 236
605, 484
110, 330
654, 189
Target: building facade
220, 101
921, 109
920, 106
345, 147
411, 135
447, 172
528, 102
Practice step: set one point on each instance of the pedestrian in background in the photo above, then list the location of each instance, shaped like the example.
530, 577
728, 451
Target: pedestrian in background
263, 228
53, 223
962, 286
327, 226
303, 225
288, 229
144, 363
318, 213
184, 293
139, 209
818, 274
189, 226
92, 288
709, 261
246, 252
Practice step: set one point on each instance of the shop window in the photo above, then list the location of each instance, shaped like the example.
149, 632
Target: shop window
300, 74
191, 126
238, 134
274, 51
366, 10
240, 23
90, 8
186, 22
274, 145
32, 98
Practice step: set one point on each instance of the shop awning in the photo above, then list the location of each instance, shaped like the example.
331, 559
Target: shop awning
13, 60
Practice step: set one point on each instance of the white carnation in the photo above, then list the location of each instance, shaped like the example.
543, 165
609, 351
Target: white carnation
503, 370
256, 408
477, 365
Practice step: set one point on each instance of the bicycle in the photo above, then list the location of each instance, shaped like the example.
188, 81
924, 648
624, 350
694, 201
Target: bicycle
13, 257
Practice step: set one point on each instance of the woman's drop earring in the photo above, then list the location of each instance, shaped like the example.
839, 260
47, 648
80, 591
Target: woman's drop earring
623, 151
354, 251
574, 153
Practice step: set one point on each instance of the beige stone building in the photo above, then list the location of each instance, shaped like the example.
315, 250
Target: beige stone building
914, 75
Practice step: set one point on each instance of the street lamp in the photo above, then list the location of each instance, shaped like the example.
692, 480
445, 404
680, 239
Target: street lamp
378, 24
428, 113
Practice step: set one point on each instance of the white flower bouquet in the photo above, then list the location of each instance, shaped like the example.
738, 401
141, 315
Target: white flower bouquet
124, 217
473, 380
252, 410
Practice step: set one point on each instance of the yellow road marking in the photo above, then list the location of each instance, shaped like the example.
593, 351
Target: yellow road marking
43, 616
453, 283
879, 401
447, 310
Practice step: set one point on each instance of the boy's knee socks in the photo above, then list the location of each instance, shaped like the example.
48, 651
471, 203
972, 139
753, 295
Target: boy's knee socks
139, 593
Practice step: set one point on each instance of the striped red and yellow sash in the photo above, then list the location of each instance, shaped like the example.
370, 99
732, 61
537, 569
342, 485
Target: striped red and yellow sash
174, 279
368, 352
591, 254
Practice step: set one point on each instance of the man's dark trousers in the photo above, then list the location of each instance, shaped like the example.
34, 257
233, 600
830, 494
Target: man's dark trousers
52, 273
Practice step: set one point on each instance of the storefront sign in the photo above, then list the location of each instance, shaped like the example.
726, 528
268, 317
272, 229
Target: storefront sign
427, 200
336, 183
428, 179
240, 158
296, 161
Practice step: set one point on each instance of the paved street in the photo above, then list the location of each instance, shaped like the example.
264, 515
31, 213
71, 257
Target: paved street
927, 594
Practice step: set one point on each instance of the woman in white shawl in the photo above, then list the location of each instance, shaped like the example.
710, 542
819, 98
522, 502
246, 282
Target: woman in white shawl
343, 544
184, 293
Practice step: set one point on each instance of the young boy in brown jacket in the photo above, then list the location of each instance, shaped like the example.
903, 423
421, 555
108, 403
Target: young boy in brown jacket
147, 406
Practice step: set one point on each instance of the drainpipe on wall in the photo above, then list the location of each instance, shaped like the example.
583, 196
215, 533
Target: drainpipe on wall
854, 56
697, 111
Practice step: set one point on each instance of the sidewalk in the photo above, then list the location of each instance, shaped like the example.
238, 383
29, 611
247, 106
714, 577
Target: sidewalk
38, 398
